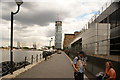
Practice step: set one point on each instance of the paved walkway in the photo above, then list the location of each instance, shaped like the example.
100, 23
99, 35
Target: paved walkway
57, 67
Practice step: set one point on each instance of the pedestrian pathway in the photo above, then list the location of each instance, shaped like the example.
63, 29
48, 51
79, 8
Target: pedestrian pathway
57, 67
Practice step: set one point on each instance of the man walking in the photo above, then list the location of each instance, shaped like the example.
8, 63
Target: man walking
79, 64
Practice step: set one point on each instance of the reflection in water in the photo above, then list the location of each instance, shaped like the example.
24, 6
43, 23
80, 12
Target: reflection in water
18, 55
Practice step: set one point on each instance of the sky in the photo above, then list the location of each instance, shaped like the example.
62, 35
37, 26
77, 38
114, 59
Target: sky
35, 22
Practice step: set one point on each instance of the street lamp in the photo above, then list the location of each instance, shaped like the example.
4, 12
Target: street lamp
18, 2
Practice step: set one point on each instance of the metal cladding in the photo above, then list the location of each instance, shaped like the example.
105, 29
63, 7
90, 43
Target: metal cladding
102, 33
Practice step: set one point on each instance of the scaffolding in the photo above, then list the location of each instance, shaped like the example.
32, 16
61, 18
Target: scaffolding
58, 35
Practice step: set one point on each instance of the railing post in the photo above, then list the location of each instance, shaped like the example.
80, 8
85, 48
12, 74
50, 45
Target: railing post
25, 62
37, 58
40, 56
32, 59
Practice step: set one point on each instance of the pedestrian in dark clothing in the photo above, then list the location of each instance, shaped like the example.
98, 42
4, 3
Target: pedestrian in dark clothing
79, 64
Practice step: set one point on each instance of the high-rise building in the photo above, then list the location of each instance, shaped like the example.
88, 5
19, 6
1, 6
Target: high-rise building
58, 35
34, 45
18, 44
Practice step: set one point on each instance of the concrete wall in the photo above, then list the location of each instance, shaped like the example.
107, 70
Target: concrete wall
94, 39
96, 65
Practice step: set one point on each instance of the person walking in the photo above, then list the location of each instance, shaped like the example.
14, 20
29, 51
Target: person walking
110, 72
79, 63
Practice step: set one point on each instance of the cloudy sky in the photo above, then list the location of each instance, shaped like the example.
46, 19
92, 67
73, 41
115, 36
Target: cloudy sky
35, 21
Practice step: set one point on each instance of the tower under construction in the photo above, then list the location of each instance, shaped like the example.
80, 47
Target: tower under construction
58, 34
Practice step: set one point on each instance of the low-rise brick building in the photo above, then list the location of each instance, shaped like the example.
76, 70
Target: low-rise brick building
68, 38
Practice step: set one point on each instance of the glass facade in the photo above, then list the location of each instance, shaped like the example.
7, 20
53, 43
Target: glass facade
77, 46
114, 33
114, 20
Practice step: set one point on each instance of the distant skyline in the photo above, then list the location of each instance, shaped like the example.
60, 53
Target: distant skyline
36, 20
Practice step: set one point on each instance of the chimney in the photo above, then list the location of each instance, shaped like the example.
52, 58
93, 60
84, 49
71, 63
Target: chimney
76, 33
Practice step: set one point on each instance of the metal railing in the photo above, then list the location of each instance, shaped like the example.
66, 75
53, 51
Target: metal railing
6, 65
97, 14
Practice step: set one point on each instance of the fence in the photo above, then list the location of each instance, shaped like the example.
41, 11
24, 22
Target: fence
6, 66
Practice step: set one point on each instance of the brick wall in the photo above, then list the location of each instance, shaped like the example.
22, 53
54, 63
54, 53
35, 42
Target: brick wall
67, 39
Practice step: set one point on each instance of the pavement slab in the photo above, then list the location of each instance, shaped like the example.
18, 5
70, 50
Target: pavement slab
58, 66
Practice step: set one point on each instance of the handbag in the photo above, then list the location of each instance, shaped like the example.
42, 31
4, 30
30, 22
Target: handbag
105, 77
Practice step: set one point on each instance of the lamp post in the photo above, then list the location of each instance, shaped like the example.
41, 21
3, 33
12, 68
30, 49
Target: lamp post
18, 2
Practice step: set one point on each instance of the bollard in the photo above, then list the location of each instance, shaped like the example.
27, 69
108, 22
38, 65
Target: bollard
40, 56
25, 61
32, 59
45, 56
37, 58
